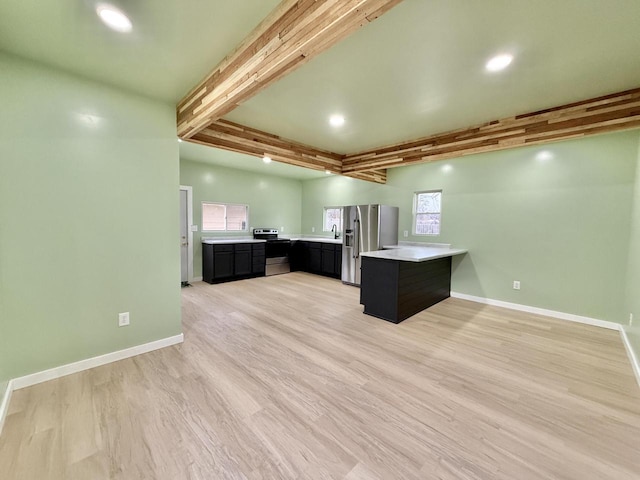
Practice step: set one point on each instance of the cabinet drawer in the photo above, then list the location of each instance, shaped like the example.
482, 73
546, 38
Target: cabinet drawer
243, 247
317, 245
328, 247
223, 248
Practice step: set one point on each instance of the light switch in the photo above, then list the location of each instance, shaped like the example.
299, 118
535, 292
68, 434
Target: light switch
194, 228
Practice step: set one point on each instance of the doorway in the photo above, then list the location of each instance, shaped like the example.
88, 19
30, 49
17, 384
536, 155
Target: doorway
186, 235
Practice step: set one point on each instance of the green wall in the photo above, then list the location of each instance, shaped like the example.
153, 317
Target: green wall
633, 272
89, 219
273, 201
559, 225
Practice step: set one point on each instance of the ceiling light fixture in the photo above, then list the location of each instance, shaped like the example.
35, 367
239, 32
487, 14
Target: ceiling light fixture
114, 18
266, 159
327, 172
336, 120
179, 140
544, 155
499, 62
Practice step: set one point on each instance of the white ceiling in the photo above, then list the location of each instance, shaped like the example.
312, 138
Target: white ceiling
417, 70
173, 45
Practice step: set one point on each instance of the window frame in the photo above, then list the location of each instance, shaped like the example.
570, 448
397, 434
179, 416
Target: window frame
324, 218
225, 204
416, 213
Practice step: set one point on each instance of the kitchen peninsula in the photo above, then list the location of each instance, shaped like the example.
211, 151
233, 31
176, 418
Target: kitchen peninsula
400, 282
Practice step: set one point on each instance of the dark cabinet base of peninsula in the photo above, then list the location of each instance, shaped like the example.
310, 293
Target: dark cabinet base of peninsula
395, 290
232, 261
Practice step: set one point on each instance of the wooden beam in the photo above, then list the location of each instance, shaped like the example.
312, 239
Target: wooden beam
376, 176
618, 111
238, 138
291, 35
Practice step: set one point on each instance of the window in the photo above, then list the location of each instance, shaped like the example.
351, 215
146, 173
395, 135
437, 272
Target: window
426, 212
223, 217
332, 216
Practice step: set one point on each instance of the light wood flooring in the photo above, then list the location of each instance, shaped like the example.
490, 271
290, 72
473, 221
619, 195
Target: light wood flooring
284, 378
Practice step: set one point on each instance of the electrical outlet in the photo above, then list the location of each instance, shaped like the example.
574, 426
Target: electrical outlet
516, 285
281, 229
194, 228
123, 319
313, 229
631, 319
406, 233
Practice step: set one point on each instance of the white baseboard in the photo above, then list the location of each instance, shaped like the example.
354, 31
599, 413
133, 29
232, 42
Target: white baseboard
562, 316
631, 354
196, 279
57, 372
4, 406
539, 311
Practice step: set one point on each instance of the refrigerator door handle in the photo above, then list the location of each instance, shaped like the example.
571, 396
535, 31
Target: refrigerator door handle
356, 234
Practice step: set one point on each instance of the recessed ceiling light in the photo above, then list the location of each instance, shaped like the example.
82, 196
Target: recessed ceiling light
327, 172
179, 140
336, 120
544, 156
499, 62
114, 18
266, 159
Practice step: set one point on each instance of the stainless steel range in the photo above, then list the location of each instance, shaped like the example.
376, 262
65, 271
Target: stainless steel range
277, 250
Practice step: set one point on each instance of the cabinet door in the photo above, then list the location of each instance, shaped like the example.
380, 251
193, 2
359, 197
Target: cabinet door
328, 260
242, 262
296, 259
207, 262
223, 261
315, 258
258, 259
338, 261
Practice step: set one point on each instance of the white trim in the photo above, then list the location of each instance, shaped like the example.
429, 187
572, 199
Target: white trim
631, 354
4, 407
633, 359
197, 279
539, 311
189, 191
57, 372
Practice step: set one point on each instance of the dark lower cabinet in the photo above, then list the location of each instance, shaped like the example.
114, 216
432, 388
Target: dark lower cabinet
224, 262
258, 261
316, 257
328, 256
242, 260
394, 290
298, 254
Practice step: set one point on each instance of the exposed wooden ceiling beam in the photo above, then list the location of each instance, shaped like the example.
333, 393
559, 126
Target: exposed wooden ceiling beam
238, 138
618, 111
292, 34
376, 176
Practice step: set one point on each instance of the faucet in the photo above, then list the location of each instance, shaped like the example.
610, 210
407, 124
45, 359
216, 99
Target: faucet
334, 229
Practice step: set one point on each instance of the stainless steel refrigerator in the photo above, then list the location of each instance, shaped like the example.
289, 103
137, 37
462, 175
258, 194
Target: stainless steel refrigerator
366, 228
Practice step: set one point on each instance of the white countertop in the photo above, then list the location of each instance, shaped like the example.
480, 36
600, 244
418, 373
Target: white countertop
218, 241
309, 238
414, 254
306, 238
